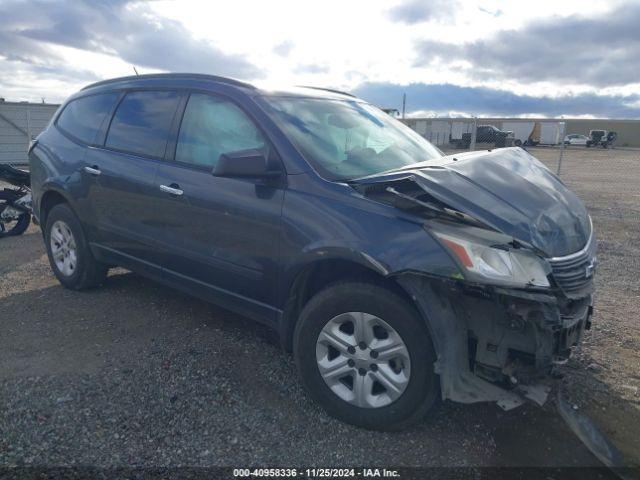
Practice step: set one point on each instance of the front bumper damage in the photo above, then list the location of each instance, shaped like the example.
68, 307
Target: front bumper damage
493, 343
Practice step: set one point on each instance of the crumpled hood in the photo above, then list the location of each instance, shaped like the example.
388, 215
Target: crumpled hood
507, 189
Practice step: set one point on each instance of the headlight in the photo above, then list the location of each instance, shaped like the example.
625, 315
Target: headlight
495, 262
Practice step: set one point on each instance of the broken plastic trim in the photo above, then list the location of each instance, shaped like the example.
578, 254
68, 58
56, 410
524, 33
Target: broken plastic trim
591, 436
527, 320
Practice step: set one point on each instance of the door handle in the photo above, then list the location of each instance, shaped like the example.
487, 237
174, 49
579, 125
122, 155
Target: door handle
172, 190
94, 170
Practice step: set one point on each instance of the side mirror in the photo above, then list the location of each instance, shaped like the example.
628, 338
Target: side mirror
244, 163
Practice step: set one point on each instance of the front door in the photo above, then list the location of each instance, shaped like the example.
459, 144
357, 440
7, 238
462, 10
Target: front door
222, 233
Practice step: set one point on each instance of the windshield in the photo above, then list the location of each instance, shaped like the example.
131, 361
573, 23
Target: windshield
348, 139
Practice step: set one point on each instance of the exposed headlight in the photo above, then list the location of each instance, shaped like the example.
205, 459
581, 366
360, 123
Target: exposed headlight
495, 262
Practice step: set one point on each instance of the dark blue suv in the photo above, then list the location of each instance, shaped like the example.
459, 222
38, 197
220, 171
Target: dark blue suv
395, 274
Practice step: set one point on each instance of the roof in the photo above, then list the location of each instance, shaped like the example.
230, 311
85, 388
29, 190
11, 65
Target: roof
158, 78
168, 76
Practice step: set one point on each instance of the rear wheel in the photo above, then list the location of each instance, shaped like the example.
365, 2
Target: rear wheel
364, 354
12, 221
69, 254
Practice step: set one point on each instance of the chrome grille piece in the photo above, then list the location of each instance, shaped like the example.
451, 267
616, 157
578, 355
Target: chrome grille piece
574, 272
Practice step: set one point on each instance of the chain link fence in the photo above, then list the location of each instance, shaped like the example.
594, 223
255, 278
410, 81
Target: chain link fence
557, 142
598, 159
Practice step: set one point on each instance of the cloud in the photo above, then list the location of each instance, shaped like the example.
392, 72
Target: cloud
24, 63
418, 11
597, 51
283, 49
311, 68
493, 13
125, 29
444, 98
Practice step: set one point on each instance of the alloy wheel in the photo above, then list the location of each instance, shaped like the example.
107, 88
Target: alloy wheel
63, 248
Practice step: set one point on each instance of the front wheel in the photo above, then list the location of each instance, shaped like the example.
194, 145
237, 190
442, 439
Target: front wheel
365, 355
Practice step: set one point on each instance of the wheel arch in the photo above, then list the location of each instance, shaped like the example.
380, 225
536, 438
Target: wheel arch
315, 276
50, 198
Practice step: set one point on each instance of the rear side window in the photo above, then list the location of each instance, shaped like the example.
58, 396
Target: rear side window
142, 121
212, 126
82, 118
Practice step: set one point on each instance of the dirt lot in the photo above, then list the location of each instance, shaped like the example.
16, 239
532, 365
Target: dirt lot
136, 374
604, 376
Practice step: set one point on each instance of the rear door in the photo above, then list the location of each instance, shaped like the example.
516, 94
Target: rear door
81, 121
222, 233
125, 199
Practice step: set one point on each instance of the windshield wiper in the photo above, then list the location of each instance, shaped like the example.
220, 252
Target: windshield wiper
437, 210
411, 166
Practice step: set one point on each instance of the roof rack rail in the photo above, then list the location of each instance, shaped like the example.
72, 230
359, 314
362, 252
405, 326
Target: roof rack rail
332, 90
171, 75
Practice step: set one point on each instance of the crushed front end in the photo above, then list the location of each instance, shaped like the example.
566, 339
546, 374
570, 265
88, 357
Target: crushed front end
500, 343
523, 246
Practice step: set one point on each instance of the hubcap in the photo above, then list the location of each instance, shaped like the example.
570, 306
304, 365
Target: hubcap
63, 248
363, 360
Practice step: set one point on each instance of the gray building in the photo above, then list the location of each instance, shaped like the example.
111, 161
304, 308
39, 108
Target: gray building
20, 121
442, 130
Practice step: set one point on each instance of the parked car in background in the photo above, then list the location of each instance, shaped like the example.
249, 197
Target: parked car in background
491, 134
393, 273
575, 139
602, 138
484, 134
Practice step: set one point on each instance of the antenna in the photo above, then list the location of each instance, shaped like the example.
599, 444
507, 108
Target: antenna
134, 69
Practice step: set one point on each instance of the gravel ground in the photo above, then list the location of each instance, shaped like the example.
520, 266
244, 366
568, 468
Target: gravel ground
603, 378
136, 374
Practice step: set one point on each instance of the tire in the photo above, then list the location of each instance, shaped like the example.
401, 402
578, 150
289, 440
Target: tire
80, 270
518, 143
420, 391
21, 224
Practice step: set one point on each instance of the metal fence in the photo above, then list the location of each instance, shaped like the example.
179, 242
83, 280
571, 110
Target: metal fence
19, 123
550, 139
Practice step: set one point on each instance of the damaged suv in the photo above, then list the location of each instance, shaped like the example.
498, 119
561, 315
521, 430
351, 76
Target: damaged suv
394, 274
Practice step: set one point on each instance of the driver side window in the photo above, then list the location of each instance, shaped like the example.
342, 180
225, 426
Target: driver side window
212, 126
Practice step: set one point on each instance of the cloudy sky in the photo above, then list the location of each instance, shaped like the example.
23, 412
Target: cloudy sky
487, 57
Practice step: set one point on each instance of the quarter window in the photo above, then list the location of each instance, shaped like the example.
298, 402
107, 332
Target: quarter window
142, 122
82, 118
212, 126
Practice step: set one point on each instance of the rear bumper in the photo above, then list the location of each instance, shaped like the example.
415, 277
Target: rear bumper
495, 343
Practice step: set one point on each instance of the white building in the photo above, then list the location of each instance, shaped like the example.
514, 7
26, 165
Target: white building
20, 121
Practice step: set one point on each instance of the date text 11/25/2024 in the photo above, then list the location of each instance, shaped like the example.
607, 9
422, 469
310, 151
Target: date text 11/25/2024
315, 472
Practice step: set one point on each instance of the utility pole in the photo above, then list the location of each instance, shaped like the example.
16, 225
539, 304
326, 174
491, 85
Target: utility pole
404, 103
472, 145
563, 127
